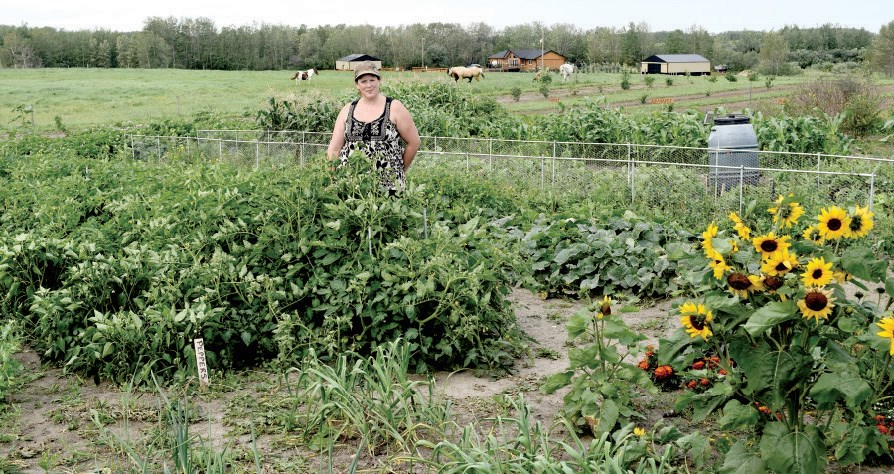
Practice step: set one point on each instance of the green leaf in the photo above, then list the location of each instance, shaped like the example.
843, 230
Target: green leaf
737, 415
739, 460
608, 417
770, 315
771, 371
556, 381
669, 348
889, 287
799, 452
831, 387
863, 264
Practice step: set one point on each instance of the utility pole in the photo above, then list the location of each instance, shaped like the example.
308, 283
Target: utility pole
423, 53
542, 62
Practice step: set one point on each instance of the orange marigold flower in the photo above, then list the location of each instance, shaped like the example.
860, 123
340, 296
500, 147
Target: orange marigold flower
882, 429
643, 364
663, 372
698, 365
692, 384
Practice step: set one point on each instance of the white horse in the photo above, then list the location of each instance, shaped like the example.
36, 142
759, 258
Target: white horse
566, 70
461, 72
304, 75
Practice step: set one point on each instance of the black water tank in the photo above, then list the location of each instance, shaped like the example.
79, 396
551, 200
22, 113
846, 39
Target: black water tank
732, 143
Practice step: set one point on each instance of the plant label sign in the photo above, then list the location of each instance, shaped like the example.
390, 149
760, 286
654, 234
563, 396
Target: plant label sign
201, 364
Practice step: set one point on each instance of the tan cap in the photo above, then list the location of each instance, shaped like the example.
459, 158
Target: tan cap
366, 67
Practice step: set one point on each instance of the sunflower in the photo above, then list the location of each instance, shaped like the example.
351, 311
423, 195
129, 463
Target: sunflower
818, 273
779, 263
887, 325
605, 307
769, 243
812, 234
742, 285
640, 432
772, 283
834, 223
718, 264
707, 236
817, 304
695, 319
740, 227
786, 215
861, 223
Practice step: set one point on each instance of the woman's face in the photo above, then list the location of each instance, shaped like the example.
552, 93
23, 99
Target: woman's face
368, 85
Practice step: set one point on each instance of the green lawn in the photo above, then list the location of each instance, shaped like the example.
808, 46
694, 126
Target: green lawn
83, 97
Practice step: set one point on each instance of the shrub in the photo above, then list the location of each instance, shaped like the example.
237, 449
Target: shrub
669, 81
859, 99
625, 80
649, 80
516, 93
731, 77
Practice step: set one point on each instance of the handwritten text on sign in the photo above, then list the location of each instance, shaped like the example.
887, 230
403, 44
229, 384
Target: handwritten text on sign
200, 361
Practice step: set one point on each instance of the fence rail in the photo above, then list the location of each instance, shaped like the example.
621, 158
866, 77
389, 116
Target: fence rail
559, 166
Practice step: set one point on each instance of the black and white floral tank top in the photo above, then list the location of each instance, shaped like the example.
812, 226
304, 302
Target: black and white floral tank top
380, 140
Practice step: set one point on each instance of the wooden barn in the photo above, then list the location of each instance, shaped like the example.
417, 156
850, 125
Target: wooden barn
694, 64
525, 60
349, 62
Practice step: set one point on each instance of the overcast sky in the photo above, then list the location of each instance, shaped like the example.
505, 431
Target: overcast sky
713, 15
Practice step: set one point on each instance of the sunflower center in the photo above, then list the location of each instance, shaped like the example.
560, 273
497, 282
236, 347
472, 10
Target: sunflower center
856, 223
781, 267
834, 224
769, 246
697, 321
605, 309
738, 281
816, 301
773, 283
817, 274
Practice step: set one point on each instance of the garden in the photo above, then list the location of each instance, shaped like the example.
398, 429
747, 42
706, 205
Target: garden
471, 325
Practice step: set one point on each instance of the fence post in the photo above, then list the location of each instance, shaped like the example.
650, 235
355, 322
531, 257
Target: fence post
133, 153
542, 174
553, 181
490, 153
818, 170
630, 177
301, 149
871, 190
220, 150
158, 147
257, 154
741, 186
188, 151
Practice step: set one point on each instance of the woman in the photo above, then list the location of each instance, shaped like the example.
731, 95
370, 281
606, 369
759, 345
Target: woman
379, 126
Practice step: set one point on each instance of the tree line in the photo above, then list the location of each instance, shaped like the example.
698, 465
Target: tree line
197, 43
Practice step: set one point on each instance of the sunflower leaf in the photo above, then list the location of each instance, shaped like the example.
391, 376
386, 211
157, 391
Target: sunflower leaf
792, 451
863, 264
770, 315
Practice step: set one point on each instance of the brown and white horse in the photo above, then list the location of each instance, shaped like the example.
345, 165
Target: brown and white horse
304, 75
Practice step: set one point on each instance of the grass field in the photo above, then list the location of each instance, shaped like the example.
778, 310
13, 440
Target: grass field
76, 97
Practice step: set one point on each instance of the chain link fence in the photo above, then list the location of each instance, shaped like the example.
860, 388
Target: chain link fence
639, 175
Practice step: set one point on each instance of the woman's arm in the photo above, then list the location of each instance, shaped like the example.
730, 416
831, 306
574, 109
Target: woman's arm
407, 129
338, 133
